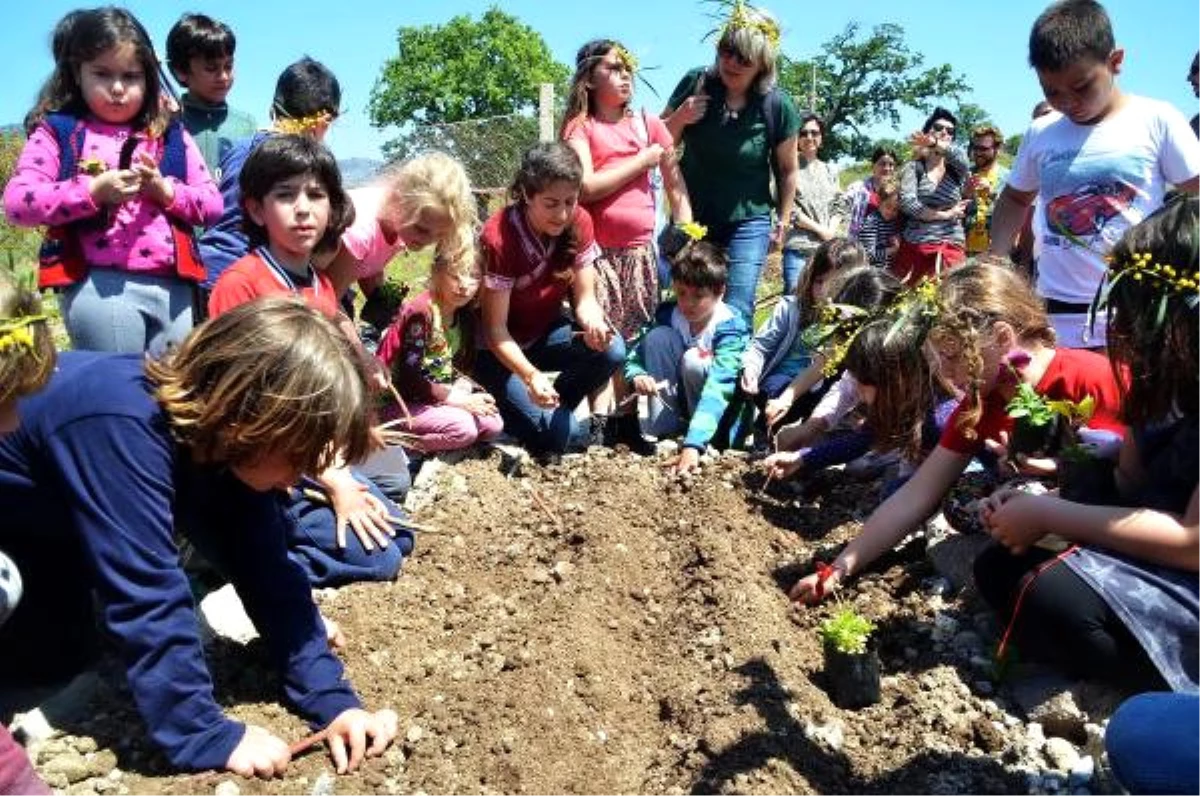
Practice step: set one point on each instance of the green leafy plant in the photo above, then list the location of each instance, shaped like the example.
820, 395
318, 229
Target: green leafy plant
1028, 404
847, 631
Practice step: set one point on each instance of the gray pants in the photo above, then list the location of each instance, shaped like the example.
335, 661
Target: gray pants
668, 359
127, 313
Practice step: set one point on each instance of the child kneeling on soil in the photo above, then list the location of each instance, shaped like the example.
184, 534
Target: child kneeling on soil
26, 362
1124, 603
695, 346
203, 442
427, 349
987, 332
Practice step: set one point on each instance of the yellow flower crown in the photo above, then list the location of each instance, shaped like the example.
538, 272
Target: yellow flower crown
627, 59
1141, 267
742, 16
305, 124
693, 230
15, 334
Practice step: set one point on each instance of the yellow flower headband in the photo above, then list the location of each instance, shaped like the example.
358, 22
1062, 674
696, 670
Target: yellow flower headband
742, 16
627, 59
15, 334
305, 124
693, 230
1141, 268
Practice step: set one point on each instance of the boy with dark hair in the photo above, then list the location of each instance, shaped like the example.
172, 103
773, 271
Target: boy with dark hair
307, 98
687, 362
200, 54
1099, 166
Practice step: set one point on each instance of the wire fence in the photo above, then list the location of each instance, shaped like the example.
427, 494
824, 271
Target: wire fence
490, 149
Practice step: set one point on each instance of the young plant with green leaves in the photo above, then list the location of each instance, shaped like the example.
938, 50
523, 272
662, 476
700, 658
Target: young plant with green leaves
847, 631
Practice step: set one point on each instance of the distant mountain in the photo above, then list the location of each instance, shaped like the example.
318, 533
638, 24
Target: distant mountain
358, 171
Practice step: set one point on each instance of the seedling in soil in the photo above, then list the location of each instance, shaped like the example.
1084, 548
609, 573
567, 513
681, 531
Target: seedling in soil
851, 666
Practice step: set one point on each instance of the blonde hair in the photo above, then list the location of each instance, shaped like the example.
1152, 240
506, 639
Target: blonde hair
437, 183
887, 188
272, 376
26, 344
754, 34
973, 299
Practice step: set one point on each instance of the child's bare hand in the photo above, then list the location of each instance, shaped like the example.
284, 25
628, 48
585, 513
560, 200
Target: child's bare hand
651, 156
778, 407
687, 461
480, 404
366, 514
541, 390
809, 590
259, 754
748, 383
348, 734
781, 465
114, 187
154, 186
645, 385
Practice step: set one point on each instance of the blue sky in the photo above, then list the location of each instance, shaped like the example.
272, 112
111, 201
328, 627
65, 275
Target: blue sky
985, 41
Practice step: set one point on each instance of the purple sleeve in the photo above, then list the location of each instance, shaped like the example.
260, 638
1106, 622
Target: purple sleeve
35, 196
198, 201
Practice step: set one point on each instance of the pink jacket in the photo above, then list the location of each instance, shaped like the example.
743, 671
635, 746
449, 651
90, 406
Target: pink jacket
138, 235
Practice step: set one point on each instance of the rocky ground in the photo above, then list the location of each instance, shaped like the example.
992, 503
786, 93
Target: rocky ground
591, 625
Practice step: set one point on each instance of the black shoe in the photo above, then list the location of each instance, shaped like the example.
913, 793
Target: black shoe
625, 430
598, 430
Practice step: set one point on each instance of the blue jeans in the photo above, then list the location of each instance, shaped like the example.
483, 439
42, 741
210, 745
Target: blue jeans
1152, 743
793, 266
580, 372
746, 244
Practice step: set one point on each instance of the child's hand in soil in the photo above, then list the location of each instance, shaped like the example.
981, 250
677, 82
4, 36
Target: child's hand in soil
350, 731
809, 590
781, 465
687, 461
1015, 520
333, 634
259, 754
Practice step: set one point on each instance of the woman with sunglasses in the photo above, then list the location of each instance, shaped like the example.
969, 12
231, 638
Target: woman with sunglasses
931, 197
737, 127
817, 207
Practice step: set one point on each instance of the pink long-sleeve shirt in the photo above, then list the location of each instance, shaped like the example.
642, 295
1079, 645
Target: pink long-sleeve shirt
138, 235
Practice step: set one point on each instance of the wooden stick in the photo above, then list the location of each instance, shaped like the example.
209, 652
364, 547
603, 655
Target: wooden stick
542, 505
659, 386
308, 742
389, 424
775, 449
400, 401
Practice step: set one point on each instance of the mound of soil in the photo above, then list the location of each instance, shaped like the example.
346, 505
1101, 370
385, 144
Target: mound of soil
592, 625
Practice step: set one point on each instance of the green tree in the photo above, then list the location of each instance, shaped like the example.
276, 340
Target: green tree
861, 81
18, 245
461, 71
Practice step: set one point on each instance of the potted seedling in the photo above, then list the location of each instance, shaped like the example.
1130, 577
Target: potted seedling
1035, 424
1083, 477
851, 663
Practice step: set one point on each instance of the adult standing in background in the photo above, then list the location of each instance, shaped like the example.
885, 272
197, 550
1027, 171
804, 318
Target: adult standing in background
861, 196
737, 127
815, 214
931, 196
987, 178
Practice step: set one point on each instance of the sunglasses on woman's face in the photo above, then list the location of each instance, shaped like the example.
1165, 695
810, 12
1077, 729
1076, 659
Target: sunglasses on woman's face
729, 52
809, 134
941, 127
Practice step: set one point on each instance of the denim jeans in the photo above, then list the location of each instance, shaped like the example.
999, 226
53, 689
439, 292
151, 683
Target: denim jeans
746, 243
1152, 743
793, 266
581, 371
